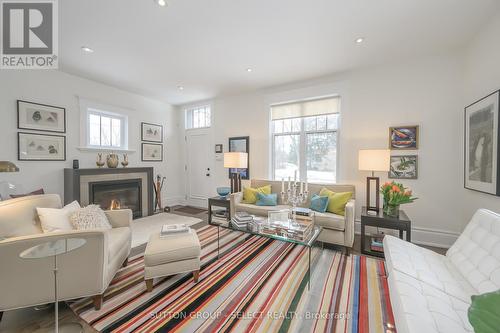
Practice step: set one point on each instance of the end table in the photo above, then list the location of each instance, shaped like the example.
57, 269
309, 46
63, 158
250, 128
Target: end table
381, 220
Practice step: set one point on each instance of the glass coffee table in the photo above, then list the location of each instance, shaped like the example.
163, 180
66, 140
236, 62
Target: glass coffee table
282, 231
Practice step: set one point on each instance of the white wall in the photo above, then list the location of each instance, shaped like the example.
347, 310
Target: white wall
61, 89
482, 77
423, 92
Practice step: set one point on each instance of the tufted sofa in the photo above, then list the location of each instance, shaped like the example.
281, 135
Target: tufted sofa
430, 292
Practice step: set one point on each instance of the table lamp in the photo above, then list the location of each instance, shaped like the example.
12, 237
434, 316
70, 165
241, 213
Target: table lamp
235, 160
373, 160
6, 166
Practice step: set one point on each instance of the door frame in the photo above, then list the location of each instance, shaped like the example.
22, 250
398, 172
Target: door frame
197, 201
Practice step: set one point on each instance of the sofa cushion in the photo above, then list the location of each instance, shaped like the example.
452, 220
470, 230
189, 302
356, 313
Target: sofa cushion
267, 199
419, 307
330, 221
426, 266
258, 210
336, 200
57, 219
90, 217
250, 194
319, 203
18, 217
117, 239
476, 253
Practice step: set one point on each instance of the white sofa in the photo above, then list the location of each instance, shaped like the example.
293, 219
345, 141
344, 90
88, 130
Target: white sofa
337, 229
431, 293
86, 271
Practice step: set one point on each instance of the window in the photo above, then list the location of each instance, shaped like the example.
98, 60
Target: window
304, 139
198, 117
105, 128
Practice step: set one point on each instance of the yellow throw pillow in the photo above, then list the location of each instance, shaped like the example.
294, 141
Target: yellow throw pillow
337, 201
250, 194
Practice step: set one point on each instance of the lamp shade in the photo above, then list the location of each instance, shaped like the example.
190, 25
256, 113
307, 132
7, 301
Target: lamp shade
236, 160
6, 166
374, 159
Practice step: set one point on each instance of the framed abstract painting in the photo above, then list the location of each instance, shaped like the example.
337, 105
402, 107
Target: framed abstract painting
403, 138
482, 145
240, 144
404, 167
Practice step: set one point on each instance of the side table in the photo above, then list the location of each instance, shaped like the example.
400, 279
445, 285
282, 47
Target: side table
381, 220
222, 202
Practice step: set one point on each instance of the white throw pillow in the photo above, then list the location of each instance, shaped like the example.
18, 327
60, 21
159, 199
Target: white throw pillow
53, 219
90, 217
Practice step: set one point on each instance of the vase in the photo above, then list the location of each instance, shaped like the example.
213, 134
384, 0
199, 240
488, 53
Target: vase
112, 161
391, 210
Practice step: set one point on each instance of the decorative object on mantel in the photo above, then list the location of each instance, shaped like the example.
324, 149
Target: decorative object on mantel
404, 167
112, 160
99, 162
240, 144
482, 145
395, 194
235, 162
158, 186
125, 160
41, 147
152, 152
295, 195
373, 160
151, 132
40, 117
403, 138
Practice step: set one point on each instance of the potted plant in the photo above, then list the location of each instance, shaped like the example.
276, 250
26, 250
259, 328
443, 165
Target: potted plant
395, 194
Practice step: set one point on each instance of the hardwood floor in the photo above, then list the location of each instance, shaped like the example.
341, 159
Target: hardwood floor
28, 319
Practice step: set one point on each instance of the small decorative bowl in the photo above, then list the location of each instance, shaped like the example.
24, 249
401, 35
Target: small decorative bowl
223, 191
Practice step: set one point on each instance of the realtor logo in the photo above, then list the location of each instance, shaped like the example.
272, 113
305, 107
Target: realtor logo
29, 34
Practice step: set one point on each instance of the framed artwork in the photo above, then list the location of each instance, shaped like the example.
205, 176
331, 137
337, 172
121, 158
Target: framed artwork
40, 117
404, 167
40, 147
151, 132
218, 148
482, 145
152, 152
240, 144
403, 137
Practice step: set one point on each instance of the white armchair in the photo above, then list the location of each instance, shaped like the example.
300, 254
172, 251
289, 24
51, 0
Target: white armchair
83, 272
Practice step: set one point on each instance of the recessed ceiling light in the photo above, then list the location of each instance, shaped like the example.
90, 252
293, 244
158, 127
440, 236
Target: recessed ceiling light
87, 49
360, 40
180, 87
249, 70
161, 3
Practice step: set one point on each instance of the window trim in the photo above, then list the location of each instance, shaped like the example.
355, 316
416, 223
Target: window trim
302, 147
88, 107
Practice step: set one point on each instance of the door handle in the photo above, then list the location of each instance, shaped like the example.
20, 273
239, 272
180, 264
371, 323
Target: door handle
208, 175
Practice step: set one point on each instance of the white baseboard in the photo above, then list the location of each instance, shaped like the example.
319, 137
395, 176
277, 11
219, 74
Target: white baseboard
425, 236
174, 201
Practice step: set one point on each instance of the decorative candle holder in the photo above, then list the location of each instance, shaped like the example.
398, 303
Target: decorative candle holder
294, 196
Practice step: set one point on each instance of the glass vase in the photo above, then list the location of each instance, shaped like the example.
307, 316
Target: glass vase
391, 210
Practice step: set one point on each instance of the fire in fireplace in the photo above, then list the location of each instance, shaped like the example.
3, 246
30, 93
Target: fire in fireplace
118, 194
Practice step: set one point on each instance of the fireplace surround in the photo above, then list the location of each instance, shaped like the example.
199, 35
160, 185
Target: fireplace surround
111, 188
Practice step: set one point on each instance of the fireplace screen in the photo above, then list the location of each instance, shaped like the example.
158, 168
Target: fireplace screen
118, 194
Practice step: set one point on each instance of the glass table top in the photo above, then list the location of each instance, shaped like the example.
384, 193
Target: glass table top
54, 248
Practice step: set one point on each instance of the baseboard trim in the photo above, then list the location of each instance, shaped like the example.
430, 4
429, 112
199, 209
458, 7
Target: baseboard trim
174, 201
425, 236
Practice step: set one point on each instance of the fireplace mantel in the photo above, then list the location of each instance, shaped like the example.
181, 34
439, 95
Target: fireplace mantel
77, 183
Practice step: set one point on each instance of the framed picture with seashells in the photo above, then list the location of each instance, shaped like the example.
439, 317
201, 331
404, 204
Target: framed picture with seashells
41, 147
40, 117
151, 132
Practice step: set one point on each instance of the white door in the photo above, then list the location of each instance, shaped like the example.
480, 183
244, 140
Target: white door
198, 168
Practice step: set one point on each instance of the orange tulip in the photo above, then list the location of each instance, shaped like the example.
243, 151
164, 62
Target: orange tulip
408, 193
396, 188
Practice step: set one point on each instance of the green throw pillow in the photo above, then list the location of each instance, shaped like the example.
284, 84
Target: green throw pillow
484, 312
250, 194
337, 201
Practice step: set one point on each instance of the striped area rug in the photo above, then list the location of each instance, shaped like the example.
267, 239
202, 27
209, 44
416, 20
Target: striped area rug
258, 285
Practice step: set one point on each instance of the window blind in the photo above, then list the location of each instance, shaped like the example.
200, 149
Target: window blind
307, 108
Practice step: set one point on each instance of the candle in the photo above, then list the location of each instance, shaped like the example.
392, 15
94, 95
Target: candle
295, 177
289, 184
306, 185
301, 187
282, 184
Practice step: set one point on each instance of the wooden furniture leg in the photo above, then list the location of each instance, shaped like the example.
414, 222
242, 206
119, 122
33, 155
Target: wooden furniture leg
196, 276
125, 263
149, 285
98, 302
1, 315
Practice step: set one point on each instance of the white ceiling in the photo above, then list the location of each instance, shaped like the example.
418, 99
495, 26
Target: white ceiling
207, 45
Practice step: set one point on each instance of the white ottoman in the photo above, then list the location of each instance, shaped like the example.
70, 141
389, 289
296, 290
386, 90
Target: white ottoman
179, 253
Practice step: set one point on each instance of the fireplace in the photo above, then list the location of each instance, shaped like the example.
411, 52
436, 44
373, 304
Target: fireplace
118, 194
123, 188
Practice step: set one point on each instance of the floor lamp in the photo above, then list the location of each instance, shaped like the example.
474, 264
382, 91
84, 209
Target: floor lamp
6, 166
235, 160
374, 160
